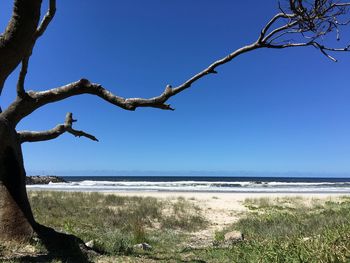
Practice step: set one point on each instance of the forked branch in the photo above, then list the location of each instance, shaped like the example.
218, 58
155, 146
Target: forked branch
47, 19
306, 24
38, 33
31, 136
302, 23
84, 86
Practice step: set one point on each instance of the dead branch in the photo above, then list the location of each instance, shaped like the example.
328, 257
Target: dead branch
84, 86
47, 19
32, 136
22, 76
310, 21
16, 39
38, 33
303, 18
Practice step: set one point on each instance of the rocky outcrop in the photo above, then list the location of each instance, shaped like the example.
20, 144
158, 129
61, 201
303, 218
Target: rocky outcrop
44, 179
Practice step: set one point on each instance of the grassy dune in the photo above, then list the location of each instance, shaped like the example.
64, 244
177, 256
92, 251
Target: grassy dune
116, 223
291, 230
276, 230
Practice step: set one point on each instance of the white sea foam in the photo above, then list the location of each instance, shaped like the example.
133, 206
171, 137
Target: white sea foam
198, 186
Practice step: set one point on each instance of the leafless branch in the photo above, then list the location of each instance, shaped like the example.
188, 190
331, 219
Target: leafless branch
21, 78
31, 136
319, 17
302, 17
273, 33
47, 19
270, 23
39, 32
278, 36
323, 49
309, 21
84, 86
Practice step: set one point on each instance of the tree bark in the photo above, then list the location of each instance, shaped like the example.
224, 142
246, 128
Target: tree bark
16, 218
17, 40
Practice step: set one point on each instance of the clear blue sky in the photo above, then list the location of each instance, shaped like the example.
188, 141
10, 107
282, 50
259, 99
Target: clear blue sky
267, 111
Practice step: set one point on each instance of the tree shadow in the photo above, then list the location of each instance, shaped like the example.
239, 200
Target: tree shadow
60, 246
165, 257
175, 259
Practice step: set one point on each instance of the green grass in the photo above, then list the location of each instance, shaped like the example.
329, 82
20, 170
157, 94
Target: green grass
275, 230
287, 230
114, 222
184, 216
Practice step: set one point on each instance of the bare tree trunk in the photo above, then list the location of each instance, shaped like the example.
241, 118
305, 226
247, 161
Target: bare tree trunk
311, 21
16, 218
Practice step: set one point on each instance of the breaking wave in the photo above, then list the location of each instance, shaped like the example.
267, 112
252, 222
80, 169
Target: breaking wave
200, 186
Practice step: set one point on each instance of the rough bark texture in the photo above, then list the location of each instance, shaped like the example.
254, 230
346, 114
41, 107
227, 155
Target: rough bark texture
16, 42
16, 218
17, 39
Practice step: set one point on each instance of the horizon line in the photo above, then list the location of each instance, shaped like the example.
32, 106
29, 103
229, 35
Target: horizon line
215, 173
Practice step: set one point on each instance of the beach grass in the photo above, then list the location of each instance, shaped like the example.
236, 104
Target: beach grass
116, 223
288, 229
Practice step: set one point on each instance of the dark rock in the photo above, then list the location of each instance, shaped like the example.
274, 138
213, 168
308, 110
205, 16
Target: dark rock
143, 246
90, 244
44, 179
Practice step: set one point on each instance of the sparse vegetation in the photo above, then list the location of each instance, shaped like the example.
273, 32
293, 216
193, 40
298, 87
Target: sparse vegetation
184, 216
289, 230
275, 230
115, 223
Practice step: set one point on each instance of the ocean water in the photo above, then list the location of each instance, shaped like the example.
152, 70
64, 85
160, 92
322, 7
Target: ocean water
200, 184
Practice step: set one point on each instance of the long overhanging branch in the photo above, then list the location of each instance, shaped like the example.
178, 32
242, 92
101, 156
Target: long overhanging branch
301, 19
35, 136
84, 86
34, 100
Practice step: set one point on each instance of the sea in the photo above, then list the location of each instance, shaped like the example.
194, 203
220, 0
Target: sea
199, 184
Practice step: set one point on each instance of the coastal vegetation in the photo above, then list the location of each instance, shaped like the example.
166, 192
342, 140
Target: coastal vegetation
295, 24
289, 229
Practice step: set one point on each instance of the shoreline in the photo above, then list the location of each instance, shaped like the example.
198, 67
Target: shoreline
204, 185
185, 192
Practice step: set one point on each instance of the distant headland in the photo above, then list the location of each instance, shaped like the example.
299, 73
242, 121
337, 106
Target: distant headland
37, 179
